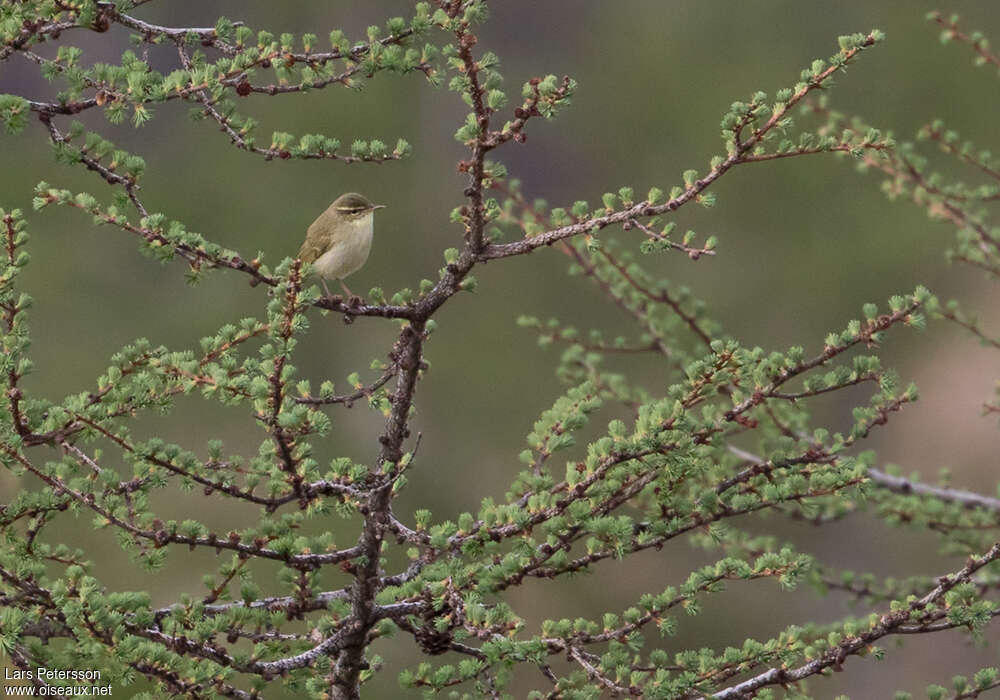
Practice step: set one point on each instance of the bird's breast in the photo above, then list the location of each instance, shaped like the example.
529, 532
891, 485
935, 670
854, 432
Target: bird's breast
349, 252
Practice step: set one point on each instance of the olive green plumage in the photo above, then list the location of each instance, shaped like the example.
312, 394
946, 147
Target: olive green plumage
320, 235
339, 240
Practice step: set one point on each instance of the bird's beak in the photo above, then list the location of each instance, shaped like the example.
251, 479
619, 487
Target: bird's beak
378, 206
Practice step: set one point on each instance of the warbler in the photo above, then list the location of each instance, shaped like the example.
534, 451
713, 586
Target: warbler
339, 240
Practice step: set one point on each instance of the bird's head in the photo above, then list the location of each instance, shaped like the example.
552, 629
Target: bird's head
353, 205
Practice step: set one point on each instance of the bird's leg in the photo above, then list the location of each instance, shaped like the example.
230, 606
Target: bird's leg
352, 298
325, 288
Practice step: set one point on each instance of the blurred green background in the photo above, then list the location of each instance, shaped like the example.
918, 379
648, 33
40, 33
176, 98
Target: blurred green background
803, 244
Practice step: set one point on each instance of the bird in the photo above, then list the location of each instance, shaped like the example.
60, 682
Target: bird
339, 240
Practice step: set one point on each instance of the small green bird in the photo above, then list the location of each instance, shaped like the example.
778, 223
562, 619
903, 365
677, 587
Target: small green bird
339, 240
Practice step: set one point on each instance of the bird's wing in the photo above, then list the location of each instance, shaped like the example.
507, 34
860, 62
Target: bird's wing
315, 244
